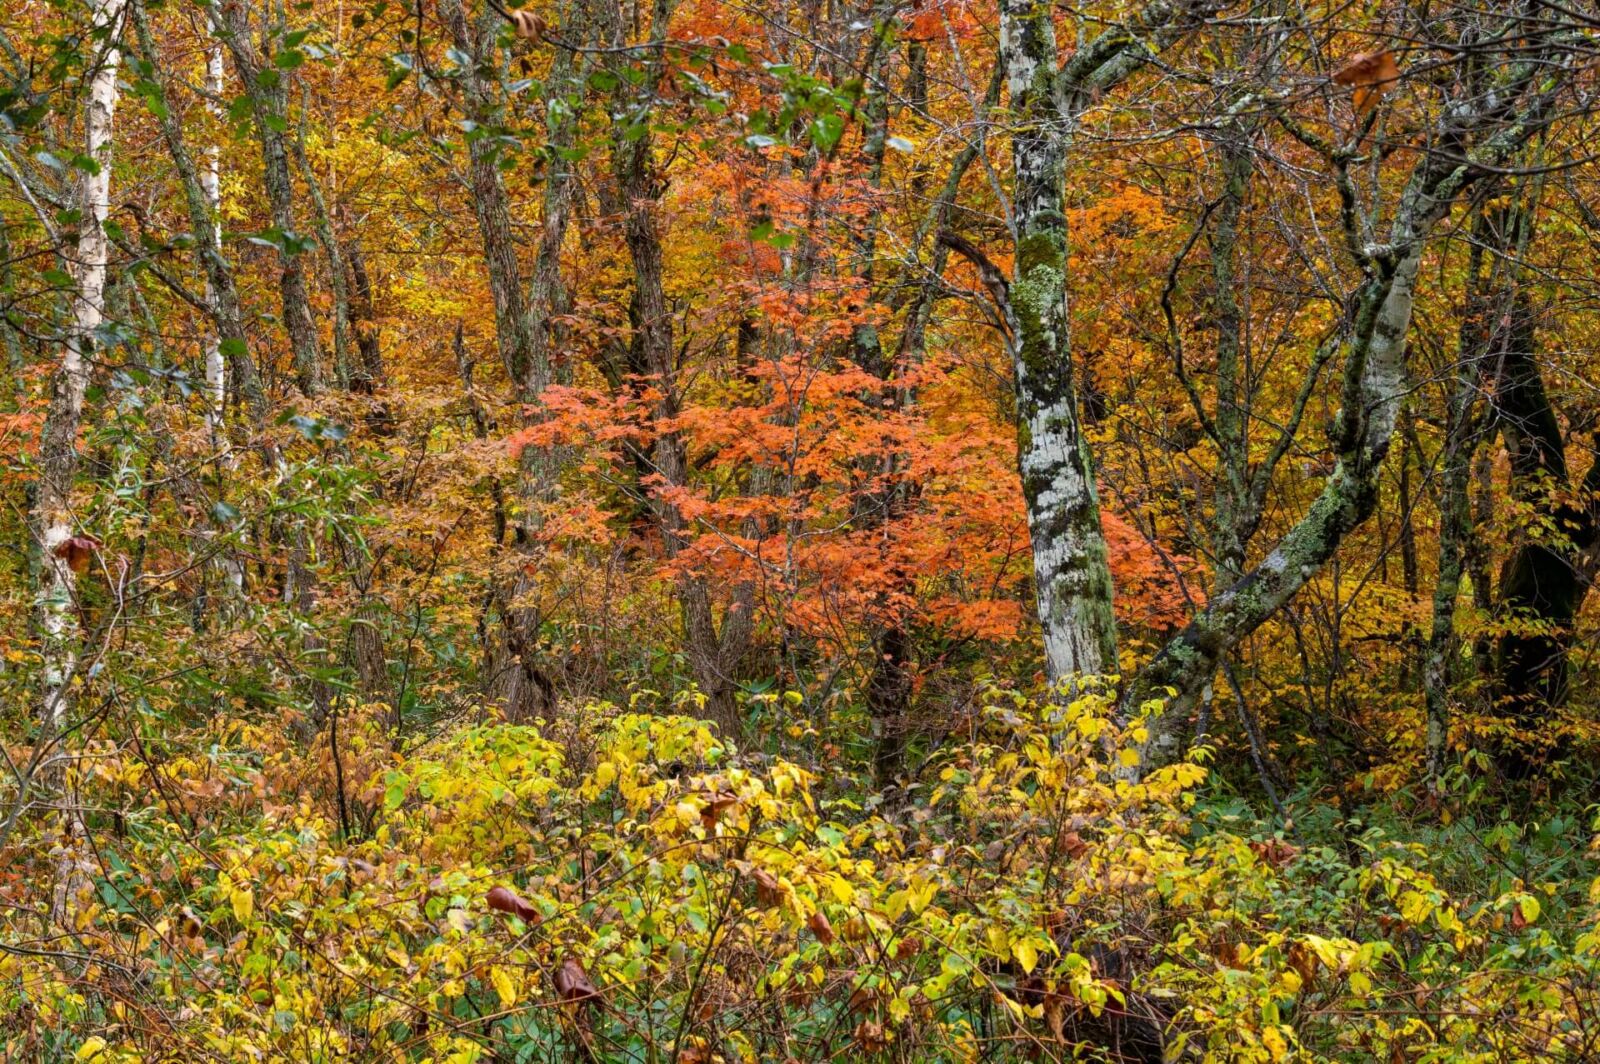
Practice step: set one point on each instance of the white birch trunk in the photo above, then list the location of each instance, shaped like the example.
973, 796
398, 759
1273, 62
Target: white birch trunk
211, 182
53, 517
216, 390
1072, 577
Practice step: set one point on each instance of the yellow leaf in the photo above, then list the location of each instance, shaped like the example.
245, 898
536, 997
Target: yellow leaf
243, 900
91, 1048
1026, 954
1276, 1044
502, 986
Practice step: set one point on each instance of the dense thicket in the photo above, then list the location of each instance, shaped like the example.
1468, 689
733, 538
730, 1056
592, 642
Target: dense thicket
689, 531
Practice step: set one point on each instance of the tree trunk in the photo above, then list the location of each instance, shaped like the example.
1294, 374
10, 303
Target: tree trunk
200, 197
714, 649
1072, 575
227, 350
63, 547
269, 98
524, 351
369, 376
1235, 516
489, 202
1541, 584
211, 189
1455, 529
344, 371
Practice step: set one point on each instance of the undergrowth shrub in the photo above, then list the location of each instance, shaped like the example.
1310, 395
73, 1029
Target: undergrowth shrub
621, 885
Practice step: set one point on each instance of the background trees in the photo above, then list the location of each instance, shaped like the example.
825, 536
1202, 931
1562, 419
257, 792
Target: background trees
374, 373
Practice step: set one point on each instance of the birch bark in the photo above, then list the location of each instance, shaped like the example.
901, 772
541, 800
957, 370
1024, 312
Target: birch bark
53, 520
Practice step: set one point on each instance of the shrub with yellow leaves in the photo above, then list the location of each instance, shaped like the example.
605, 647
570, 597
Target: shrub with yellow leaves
621, 885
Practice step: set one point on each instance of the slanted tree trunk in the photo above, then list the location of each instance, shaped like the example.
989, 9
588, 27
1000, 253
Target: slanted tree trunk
227, 348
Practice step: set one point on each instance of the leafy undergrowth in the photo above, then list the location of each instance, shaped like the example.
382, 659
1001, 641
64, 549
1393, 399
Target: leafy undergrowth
622, 886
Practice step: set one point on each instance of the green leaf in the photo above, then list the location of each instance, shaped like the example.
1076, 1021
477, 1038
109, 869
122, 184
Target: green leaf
826, 131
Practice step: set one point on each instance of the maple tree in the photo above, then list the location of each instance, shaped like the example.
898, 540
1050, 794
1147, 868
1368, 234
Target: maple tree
693, 531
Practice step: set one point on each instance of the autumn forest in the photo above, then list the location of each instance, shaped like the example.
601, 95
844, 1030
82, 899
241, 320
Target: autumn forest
689, 531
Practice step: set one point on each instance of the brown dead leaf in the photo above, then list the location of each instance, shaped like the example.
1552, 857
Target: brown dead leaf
76, 551
820, 927
716, 803
1275, 852
1371, 74
574, 984
1303, 960
870, 1037
530, 27
506, 900
768, 892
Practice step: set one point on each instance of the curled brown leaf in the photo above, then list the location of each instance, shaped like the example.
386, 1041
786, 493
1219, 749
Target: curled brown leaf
574, 984
506, 900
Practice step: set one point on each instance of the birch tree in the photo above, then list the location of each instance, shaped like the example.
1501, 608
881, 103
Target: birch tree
61, 542
1072, 576
64, 547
